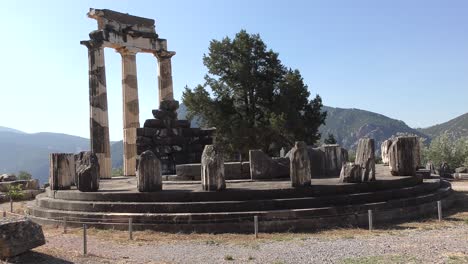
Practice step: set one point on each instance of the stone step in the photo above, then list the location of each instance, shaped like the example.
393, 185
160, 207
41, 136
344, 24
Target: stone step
269, 221
276, 203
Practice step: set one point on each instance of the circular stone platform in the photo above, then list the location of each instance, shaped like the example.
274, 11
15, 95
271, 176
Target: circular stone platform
184, 207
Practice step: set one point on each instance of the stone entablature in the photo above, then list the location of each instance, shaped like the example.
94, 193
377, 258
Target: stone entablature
128, 35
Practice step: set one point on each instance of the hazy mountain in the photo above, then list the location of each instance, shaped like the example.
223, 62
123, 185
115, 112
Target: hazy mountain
349, 125
30, 152
457, 127
7, 129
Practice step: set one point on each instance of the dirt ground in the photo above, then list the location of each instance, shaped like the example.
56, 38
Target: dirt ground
424, 241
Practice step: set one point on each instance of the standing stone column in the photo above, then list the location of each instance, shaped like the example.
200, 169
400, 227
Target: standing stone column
404, 156
99, 118
165, 74
131, 109
300, 165
365, 157
212, 169
384, 151
61, 170
149, 177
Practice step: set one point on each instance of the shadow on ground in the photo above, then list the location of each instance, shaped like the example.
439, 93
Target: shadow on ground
32, 257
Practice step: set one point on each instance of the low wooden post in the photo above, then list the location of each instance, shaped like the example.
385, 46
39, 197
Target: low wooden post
130, 229
4, 213
369, 212
85, 249
439, 210
11, 205
256, 226
64, 224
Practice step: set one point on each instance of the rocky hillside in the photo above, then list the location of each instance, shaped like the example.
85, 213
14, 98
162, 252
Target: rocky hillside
349, 125
456, 128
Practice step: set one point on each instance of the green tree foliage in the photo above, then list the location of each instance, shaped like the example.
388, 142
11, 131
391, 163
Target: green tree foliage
445, 149
14, 191
24, 175
117, 171
330, 139
255, 101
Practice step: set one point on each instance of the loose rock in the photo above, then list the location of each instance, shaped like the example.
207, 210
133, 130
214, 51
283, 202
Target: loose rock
18, 236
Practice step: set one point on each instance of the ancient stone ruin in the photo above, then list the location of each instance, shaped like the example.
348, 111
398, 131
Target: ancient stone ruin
212, 170
404, 156
363, 169
149, 173
300, 165
166, 136
384, 151
87, 171
61, 170
365, 157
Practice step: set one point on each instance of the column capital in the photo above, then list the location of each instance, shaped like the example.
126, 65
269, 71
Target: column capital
125, 51
163, 54
91, 44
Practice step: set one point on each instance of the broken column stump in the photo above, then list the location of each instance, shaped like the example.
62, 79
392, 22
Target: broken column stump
299, 165
212, 169
149, 177
61, 170
351, 173
404, 156
384, 151
264, 167
365, 157
87, 172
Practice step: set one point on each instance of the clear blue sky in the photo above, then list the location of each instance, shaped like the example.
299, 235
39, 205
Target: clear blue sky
404, 59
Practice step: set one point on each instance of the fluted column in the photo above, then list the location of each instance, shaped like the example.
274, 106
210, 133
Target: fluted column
99, 118
165, 74
131, 112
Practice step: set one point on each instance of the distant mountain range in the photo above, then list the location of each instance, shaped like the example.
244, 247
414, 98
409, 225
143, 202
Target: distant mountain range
456, 128
349, 125
24, 151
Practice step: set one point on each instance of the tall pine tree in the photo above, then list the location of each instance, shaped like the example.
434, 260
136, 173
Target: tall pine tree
255, 101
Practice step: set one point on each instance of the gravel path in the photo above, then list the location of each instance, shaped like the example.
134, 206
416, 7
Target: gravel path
440, 245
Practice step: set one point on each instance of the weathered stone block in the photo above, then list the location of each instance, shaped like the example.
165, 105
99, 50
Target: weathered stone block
365, 157
384, 151
18, 236
154, 123
61, 170
351, 173
149, 173
163, 114
264, 167
404, 156
300, 165
87, 172
169, 105
326, 161
212, 169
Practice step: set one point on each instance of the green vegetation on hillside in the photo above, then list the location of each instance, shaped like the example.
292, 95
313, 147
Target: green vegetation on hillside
444, 149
